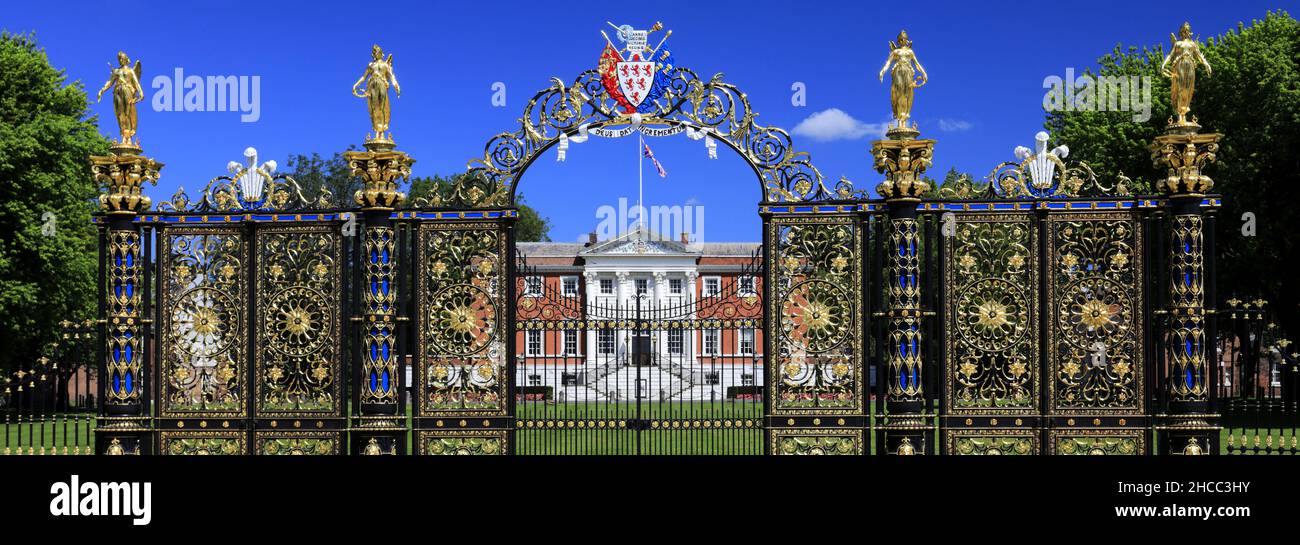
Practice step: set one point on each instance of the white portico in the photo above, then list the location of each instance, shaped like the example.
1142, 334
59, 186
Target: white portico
660, 273
678, 286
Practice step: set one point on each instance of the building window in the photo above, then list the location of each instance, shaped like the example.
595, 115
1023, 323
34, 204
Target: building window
675, 286
570, 342
747, 379
712, 342
607, 286
747, 342
675, 341
642, 286
534, 343
534, 380
605, 341
533, 286
569, 285
745, 286
712, 286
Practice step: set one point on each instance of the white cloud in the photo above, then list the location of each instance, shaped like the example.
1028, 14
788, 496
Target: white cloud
834, 124
954, 125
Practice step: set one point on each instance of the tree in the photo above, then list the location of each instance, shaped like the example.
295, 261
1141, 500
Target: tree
47, 194
530, 227
949, 181
314, 173
1253, 99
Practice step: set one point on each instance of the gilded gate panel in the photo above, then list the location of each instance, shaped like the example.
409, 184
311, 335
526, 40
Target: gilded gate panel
1095, 296
225, 442
817, 442
991, 356
1097, 442
991, 442
298, 363
463, 442
282, 443
817, 316
462, 341
991, 307
203, 331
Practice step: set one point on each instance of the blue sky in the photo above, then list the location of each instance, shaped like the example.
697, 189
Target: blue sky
987, 62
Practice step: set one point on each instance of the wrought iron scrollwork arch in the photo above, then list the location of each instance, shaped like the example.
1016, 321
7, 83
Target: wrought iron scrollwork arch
717, 108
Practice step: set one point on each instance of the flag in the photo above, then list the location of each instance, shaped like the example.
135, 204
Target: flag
658, 167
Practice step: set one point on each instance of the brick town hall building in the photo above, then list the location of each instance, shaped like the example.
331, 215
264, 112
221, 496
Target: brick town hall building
639, 317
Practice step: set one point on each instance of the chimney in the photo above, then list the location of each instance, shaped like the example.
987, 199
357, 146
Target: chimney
591, 238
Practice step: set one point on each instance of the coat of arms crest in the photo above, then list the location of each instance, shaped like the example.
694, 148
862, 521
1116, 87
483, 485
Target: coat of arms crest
636, 75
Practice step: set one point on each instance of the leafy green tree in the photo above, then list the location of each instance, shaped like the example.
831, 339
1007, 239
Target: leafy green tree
315, 173
949, 181
1253, 99
47, 194
531, 226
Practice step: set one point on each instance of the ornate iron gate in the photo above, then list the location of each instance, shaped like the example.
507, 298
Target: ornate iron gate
638, 372
250, 339
817, 340
462, 389
1045, 347
1041, 312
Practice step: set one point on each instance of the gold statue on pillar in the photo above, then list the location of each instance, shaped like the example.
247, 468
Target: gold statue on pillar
127, 91
1184, 55
379, 74
905, 81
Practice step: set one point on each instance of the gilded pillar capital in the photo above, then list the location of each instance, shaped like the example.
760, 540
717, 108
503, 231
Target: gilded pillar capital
902, 160
380, 171
124, 173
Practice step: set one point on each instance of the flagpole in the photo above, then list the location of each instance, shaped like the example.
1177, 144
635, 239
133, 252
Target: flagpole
640, 179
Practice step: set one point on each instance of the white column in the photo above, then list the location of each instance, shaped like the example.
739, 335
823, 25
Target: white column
688, 339
627, 308
593, 291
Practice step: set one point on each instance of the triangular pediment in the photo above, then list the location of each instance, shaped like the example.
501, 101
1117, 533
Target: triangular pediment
638, 242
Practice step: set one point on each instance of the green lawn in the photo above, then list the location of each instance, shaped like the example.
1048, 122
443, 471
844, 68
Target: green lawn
73, 433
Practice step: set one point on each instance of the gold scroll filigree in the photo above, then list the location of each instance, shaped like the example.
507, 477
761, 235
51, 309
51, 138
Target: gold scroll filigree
298, 320
992, 353
203, 331
1095, 297
462, 353
817, 336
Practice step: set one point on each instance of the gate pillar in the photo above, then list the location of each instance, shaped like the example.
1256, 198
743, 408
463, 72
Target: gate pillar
124, 423
379, 423
1189, 426
905, 429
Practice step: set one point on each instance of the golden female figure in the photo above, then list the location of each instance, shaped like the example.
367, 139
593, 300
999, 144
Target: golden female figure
378, 75
127, 91
1184, 55
905, 81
